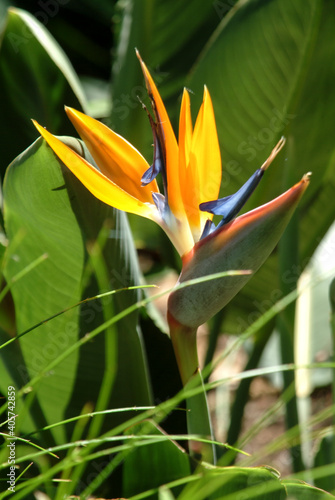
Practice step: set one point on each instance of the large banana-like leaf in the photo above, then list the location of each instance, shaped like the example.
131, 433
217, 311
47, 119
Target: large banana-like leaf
88, 250
269, 69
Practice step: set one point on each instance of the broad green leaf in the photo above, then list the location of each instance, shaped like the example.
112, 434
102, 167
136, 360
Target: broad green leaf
153, 465
303, 491
89, 250
36, 80
269, 70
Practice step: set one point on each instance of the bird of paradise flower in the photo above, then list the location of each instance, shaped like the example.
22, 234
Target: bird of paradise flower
190, 170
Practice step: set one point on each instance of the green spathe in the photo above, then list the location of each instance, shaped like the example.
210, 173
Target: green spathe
243, 244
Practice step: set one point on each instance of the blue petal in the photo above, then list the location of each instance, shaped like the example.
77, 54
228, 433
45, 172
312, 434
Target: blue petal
152, 172
208, 229
160, 203
230, 206
157, 166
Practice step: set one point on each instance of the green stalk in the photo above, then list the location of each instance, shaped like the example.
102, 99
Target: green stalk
288, 276
184, 341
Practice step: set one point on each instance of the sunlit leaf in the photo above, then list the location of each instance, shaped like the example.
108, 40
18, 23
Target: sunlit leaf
60, 218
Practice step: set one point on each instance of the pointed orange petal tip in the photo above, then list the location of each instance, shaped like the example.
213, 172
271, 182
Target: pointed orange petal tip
69, 111
95, 181
42, 130
145, 70
74, 115
206, 93
138, 55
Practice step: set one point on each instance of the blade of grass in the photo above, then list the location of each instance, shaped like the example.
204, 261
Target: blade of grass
167, 406
84, 301
159, 410
271, 313
21, 274
141, 440
101, 328
77, 434
89, 414
29, 443
89, 336
24, 471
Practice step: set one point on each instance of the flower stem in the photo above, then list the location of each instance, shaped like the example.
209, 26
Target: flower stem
184, 341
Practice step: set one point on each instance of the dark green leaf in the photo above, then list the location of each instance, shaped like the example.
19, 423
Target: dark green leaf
269, 70
89, 251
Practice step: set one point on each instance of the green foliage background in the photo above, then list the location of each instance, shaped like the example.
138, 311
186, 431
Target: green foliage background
270, 69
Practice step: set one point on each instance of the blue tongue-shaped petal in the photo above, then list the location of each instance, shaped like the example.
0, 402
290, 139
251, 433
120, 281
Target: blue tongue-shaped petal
152, 172
157, 166
230, 206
